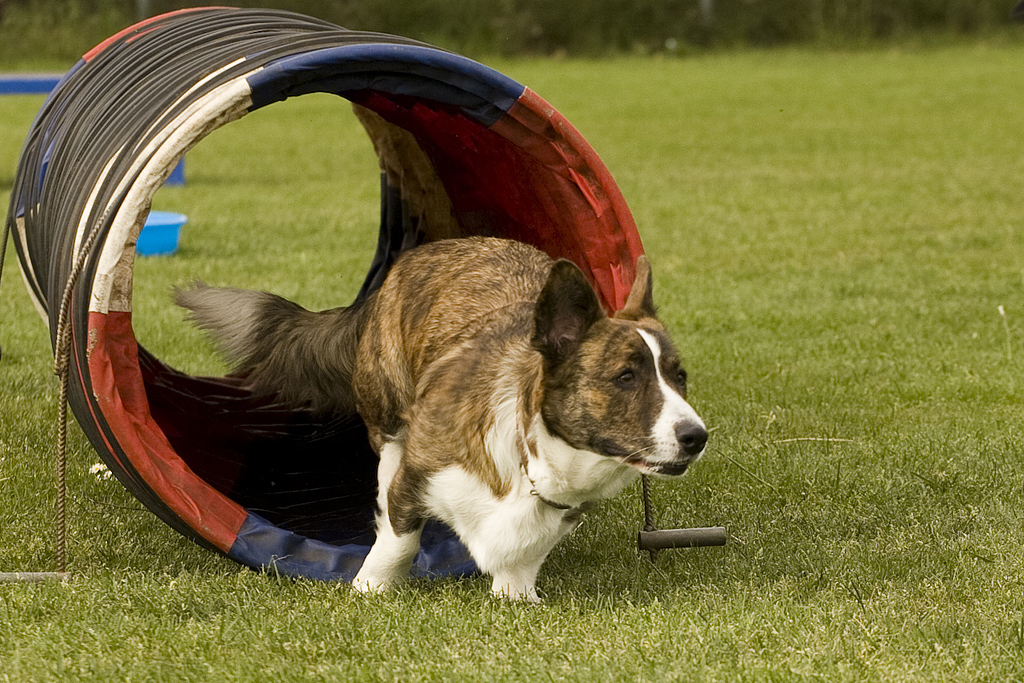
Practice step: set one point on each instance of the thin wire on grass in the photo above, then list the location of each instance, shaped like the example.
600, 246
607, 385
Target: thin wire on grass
1006, 328
3, 257
62, 419
751, 473
827, 439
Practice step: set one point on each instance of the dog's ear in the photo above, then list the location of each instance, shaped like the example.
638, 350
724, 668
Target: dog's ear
640, 303
566, 309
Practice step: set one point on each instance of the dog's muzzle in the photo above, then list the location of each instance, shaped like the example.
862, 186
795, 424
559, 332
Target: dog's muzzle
692, 439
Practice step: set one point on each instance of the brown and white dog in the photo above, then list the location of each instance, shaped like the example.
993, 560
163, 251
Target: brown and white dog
498, 394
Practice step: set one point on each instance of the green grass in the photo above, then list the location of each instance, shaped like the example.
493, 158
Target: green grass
832, 236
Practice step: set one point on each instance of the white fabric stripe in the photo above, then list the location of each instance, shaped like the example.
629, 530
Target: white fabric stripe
158, 139
28, 274
211, 76
82, 228
112, 286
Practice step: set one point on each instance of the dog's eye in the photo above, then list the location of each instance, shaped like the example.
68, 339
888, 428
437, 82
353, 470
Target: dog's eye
681, 378
625, 379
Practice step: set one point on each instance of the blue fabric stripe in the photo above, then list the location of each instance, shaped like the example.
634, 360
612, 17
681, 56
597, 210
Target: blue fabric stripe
260, 544
48, 134
413, 71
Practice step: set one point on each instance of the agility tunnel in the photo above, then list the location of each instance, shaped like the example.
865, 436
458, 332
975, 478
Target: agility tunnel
463, 150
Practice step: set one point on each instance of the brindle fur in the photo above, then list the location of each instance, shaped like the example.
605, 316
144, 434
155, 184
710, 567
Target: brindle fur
459, 328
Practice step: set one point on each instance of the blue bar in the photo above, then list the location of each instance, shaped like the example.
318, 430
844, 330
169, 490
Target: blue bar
177, 176
43, 84
28, 84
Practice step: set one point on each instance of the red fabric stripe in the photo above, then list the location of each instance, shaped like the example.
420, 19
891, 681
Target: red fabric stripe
77, 373
597, 213
120, 396
117, 36
531, 177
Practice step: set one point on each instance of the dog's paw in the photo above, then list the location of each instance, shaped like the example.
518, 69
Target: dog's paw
372, 584
517, 593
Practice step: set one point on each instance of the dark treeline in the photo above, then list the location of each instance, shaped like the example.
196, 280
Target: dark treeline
599, 26
588, 27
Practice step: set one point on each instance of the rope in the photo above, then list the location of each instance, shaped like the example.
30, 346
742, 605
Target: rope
61, 368
62, 488
648, 512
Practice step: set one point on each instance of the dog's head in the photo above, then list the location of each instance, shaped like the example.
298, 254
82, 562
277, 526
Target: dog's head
614, 385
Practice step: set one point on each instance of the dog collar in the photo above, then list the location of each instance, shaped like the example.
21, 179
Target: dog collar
574, 511
546, 501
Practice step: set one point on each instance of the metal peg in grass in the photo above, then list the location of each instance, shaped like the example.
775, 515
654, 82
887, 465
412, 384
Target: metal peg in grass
653, 539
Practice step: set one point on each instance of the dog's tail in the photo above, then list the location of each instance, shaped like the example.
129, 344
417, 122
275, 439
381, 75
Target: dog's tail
305, 358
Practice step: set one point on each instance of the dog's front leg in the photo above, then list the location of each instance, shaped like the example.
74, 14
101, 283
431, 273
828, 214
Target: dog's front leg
518, 583
388, 561
514, 566
392, 554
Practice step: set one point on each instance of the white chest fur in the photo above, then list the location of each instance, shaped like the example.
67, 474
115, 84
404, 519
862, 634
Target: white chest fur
510, 536
571, 476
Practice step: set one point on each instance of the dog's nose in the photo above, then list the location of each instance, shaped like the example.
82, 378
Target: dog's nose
692, 437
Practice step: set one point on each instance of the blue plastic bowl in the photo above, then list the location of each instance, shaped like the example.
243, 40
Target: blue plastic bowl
160, 234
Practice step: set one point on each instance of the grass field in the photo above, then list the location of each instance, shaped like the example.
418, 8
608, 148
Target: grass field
833, 236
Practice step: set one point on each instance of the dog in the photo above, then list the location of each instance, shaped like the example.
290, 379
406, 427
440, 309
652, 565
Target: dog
498, 394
